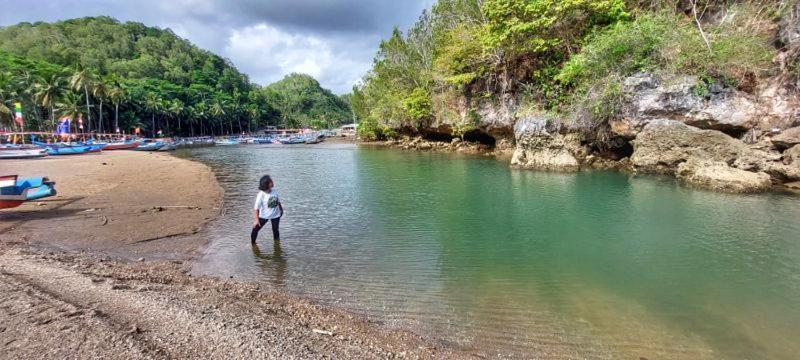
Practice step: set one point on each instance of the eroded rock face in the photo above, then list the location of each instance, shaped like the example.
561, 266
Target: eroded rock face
543, 149
792, 156
497, 120
787, 138
651, 98
663, 144
790, 26
719, 176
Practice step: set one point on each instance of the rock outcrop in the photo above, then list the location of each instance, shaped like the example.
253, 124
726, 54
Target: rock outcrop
719, 176
543, 149
664, 144
678, 98
787, 138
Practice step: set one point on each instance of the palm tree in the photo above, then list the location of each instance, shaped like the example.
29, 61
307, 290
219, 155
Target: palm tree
116, 94
69, 106
218, 111
254, 112
152, 103
7, 94
175, 109
100, 92
83, 79
199, 113
47, 90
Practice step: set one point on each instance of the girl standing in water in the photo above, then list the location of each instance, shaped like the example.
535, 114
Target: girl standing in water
268, 207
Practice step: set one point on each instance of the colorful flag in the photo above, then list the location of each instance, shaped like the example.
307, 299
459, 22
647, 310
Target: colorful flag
18, 113
63, 126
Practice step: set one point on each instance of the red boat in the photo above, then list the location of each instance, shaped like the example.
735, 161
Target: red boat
125, 145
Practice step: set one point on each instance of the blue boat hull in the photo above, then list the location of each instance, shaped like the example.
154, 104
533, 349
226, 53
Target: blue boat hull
68, 150
26, 189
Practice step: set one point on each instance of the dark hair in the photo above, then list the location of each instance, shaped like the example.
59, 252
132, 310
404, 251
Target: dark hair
263, 184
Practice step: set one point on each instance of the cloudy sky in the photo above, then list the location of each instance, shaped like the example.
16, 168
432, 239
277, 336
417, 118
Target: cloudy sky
333, 40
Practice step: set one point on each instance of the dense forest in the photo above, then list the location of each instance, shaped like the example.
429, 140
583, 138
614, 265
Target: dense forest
562, 57
125, 75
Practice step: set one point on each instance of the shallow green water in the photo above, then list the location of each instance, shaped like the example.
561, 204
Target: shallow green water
517, 263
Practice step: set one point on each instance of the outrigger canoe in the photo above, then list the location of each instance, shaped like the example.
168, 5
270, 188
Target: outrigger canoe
68, 150
226, 142
21, 153
152, 146
122, 145
14, 190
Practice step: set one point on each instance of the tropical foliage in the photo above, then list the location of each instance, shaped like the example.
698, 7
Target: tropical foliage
566, 56
126, 75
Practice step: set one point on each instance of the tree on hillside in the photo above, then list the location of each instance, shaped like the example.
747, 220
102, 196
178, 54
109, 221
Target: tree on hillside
82, 79
152, 104
47, 91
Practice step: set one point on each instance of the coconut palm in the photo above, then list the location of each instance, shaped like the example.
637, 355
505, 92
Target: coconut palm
68, 105
47, 91
152, 103
7, 94
218, 110
100, 92
116, 94
175, 109
82, 80
254, 113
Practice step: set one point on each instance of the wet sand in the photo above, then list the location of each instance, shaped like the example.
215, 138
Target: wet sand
100, 271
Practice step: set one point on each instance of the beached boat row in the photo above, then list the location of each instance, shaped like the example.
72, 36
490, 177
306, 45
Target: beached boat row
284, 140
37, 149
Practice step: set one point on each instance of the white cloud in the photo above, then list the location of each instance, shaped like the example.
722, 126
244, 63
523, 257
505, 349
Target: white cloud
268, 53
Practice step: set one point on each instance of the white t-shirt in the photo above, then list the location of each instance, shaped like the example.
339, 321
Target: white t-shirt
267, 205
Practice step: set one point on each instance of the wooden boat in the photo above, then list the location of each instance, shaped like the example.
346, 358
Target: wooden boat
122, 145
21, 153
314, 139
168, 147
14, 190
292, 140
93, 148
227, 142
150, 146
67, 150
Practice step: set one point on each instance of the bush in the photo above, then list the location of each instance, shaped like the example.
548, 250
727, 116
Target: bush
741, 50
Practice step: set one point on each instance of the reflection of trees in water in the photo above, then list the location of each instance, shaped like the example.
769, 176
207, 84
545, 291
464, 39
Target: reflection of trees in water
274, 262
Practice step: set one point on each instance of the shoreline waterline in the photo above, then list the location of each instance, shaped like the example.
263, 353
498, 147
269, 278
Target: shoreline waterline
400, 264
125, 247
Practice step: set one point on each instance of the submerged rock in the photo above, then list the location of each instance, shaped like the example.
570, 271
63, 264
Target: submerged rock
538, 148
719, 176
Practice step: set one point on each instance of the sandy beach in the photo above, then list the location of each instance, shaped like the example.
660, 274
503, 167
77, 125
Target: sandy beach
100, 270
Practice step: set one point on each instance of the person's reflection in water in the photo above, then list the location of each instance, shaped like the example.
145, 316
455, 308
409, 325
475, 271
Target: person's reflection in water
272, 262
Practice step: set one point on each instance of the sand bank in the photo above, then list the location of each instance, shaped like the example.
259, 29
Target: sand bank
98, 271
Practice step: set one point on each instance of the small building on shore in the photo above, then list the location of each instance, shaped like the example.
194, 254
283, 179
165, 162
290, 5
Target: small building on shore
349, 129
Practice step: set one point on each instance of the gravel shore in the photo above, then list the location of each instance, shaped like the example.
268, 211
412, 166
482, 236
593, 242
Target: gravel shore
100, 271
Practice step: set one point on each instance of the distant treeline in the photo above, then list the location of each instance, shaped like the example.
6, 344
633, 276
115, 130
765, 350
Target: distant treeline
127, 75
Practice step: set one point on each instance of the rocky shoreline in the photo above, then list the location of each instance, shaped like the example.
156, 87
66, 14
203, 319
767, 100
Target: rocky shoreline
726, 140
704, 131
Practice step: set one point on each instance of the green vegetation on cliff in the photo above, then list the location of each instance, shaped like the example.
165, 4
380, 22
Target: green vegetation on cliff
130, 75
567, 57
